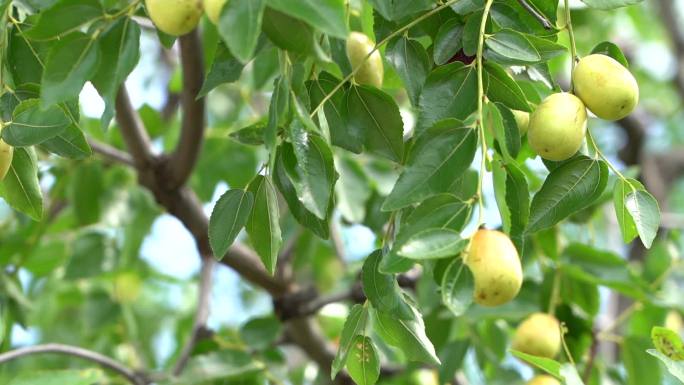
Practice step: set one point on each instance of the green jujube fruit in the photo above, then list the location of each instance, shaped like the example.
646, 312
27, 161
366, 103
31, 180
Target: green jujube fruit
558, 126
175, 17
605, 86
495, 264
538, 335
370, 71
213, 9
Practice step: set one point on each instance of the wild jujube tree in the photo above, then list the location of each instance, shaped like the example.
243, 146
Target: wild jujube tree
393, 115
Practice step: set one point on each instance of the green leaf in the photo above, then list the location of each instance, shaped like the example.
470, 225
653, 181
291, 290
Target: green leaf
263, 224
433, 244
119, 54
548, 365
457, 287
228, 217
352, 188
383, 290
625, 222
644, 210
502, 88
224, 69
547, 49
610, 49
86, 191
71, 143
448, 42
442, 211
240, 25
20, 187
285, 155
220, 365
25, 58
676, 368
32, 125
639, 369
406, 335
510, 47
313, 175
261, 333
58, 377
409, 59
353, 326
598, 267
450, 91
376, 114
399, 9
567, 190
363, 363
327, 15
71, 62
439, 156
610, 4
63, 17
251, 135
518, 202
668, 342
347, 136
277, 111
288, 33
506, 132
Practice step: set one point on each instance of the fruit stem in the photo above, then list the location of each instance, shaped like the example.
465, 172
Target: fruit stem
480, 114
573, 47
555, 291
377, 47
563, 331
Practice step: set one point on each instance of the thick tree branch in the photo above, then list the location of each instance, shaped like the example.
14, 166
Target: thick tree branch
133, 131
102, 360
199, 327
187, 151
111, 153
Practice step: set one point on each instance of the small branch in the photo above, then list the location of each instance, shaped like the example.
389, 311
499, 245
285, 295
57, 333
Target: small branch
104, 361
111, 153
201, 314
187, 151
133, 131
593, 350
532, 11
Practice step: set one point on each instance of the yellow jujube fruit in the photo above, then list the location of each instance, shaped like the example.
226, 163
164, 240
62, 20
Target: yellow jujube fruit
175, 17
522, 119
538, 335
494, 262
213, 9
6, 153
557, 126
605, 86
543, 379
371, 71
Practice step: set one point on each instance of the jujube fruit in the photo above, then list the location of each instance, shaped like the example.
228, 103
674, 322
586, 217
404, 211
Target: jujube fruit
175, 17
213, 9
6, 153
538, 335
522, 119
543, 379
557, 127
605, 86
494, 262
371, 71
